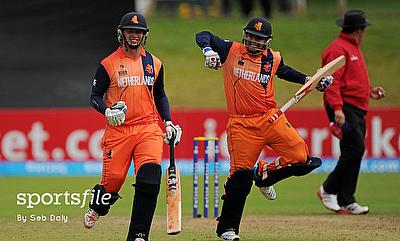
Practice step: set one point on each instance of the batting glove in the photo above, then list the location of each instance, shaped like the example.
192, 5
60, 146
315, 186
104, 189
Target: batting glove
213, 61
116, 114
172, 129
324, 83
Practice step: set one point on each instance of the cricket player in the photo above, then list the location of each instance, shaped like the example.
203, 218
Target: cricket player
131, 80
248, 70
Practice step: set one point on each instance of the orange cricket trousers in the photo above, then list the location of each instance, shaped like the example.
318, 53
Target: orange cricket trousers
141, 142
248, 135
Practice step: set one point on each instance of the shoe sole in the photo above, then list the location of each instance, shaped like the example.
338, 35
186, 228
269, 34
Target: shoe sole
86, 226
235, 239
343, 212
267, 196
347, 212
319, 195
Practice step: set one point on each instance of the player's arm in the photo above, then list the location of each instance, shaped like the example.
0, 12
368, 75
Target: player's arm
162, 105
115, 114
290, 74
160, 98
101, 82
214, 48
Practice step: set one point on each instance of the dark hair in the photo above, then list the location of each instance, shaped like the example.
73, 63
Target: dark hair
351, 29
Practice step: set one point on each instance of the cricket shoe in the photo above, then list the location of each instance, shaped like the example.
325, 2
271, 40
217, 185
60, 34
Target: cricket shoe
90, 218
353, 208
230, 235
328, 200
139, 239
268, 192
260, 173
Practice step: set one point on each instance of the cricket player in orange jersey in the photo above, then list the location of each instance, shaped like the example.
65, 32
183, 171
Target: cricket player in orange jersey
131, 80
248, 70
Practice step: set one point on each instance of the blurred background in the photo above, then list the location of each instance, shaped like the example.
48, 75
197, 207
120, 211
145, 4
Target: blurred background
51, 49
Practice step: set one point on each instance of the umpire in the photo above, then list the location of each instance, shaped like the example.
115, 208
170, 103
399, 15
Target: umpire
346, 103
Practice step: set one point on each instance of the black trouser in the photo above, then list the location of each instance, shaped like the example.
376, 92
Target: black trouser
343, 179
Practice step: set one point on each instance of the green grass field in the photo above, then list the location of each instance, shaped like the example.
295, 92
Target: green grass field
300, 39
296, 214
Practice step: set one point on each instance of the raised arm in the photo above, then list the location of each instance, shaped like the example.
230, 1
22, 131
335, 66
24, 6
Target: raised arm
206, 39
215, 49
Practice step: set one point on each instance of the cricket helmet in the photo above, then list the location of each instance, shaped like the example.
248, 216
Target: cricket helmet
257, 35
132, 20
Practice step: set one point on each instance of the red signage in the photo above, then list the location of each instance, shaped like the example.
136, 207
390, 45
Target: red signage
75, 134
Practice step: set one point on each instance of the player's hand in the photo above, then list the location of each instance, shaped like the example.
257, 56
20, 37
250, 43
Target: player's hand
213, 61
340, 118
169, 129
377, 93
116, 114
324, 83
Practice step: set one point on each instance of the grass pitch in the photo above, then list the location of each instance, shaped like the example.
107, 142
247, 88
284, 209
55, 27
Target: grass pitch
296, 214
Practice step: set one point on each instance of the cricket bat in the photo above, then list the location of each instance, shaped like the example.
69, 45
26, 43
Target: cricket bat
174, 213
328, 69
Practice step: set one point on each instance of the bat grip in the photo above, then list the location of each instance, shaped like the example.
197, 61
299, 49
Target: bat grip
275, 116
172, 150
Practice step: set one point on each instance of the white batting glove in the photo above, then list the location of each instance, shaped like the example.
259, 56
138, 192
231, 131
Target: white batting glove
171, 129
324, 83
213, 61
116, 114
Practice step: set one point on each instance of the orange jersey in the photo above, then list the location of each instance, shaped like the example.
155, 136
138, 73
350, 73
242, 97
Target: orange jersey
248, 80
130, 83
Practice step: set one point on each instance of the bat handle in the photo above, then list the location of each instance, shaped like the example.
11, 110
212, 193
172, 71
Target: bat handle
275, 116
172, 150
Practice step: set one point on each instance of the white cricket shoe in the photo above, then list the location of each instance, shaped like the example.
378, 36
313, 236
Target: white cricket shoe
139, 239
230, 235
354, 208
90, 218
328, 200
268, 192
